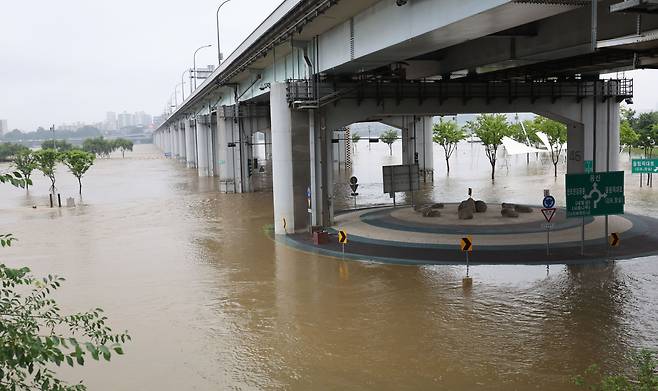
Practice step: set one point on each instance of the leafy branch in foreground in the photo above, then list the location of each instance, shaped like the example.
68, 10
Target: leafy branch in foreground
644, 377
16, 179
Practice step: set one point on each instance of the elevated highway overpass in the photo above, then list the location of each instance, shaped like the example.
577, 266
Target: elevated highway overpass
315, 66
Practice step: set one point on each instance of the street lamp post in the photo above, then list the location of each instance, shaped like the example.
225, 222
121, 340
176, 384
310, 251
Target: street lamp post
182, 82
219, 51
194, 62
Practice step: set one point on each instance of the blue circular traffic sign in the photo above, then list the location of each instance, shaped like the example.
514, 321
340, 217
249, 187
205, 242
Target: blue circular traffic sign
549, 202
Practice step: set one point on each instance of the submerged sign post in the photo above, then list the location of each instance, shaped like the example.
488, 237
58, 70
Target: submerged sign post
596, 194
548, 211
401, 178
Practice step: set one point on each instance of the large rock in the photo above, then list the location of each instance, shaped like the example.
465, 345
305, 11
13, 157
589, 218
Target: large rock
523, 209
508, 212
420, 207
480, 206
429, 212
468, 204
465, 213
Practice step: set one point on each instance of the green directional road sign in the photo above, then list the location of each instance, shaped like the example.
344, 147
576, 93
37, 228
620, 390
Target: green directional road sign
589, 166
596, 194
645, 166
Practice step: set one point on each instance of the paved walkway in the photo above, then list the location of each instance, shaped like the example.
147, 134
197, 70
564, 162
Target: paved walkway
402, 235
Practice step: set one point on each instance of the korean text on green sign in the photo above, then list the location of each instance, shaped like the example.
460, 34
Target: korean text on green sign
596, 194
645, 166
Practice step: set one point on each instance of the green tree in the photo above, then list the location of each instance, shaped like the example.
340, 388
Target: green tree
627, 136
9, 150
490, 128
389, 137
47, 160
59, 145
123, 145
78, 162
355, 139
25, 162
557, 137
643, 378
447, 134
99, 146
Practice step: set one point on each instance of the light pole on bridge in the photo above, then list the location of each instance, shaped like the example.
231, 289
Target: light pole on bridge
219, 51
194, 62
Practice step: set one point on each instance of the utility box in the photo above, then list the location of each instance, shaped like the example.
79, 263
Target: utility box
320, 237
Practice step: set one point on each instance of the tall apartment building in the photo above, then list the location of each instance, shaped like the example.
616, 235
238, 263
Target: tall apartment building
4, 128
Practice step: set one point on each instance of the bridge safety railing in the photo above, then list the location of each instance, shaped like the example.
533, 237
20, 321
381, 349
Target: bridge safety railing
302, 93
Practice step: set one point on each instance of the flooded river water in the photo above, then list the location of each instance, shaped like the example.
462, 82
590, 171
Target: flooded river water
213, 303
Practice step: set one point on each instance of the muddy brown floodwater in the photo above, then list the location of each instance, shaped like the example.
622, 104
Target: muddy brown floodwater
213, 303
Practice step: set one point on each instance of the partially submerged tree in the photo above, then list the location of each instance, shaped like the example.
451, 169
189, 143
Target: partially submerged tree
25, 162
628, 137
59, 145
448, 134
10, 150
123, 145
355, 139
490, 128
557, 137
644, 376
99, 146
78, 162
389, 137
47, 160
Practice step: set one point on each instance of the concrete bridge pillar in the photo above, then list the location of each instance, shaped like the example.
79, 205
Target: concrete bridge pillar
202, 139
190, 148
182, 148
424, 145
291, 176
174, 142
167, 142
228, 155
592, 133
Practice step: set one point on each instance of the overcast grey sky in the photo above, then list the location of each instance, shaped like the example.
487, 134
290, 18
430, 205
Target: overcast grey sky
73, 60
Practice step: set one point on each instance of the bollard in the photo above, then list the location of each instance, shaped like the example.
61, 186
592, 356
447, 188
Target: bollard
51, 200
467, 282
59, 200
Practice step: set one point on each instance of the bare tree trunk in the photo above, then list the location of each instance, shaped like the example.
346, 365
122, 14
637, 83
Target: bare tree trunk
80, 185
493, 169
448, 165
555, 166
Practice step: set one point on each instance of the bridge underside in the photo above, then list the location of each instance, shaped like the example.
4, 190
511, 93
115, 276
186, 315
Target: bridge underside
326, 64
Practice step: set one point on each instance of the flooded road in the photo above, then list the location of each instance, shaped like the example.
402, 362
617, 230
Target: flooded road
213, 303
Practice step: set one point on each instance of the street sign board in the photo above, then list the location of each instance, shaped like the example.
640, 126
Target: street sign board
547, 226
645, 166
354, 180
589, 166
401, 178
549, 202
614, 239
342, 237
466, 244
596, 194
548, 214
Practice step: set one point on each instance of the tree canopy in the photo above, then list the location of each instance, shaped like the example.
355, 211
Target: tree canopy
490, 128
46, 160
389, 137
78, 162
9, 150
556, 133
25, 162
447, 134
